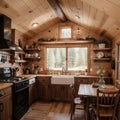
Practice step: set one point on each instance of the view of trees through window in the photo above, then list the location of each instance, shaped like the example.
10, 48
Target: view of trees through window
65, 32
56, 58
75, 58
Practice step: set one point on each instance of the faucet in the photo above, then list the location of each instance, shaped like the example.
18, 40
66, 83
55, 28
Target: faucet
63, 71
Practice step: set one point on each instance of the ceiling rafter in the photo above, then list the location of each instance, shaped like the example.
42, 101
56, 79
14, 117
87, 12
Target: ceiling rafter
58, 10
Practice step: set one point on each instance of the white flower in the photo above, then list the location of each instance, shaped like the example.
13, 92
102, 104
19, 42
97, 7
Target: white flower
100, 71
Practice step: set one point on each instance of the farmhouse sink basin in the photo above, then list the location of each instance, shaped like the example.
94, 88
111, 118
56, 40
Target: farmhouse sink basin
62, 79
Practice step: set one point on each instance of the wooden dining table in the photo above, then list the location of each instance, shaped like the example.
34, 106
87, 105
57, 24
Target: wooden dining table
88, 91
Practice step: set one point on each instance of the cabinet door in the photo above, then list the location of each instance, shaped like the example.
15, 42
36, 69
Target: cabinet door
32, 93
43, 88
61, 92
67, 95
6, 108
56, 92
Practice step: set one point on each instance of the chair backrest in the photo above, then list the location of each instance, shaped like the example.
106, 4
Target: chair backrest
107, 99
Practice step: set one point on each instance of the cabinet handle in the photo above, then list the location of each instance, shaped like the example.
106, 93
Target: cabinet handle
1, 107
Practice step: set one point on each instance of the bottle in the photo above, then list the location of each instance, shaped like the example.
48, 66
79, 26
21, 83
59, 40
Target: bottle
85, 72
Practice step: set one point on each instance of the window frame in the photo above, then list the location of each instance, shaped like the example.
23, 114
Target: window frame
68, 56
69, 46
59, 32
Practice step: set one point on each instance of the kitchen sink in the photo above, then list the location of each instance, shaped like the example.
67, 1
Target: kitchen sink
62, 79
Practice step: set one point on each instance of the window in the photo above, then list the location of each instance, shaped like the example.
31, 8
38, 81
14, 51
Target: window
65, 32
56, 58
77, 58
71, 58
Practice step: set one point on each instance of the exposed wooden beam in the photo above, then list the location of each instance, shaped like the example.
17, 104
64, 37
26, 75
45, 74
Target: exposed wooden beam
54, 4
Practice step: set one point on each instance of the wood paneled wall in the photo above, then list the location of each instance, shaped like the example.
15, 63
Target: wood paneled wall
78, 31
19, 39
115, 54
16, 37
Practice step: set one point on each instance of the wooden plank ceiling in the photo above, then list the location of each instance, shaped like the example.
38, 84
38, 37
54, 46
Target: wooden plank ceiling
100, 16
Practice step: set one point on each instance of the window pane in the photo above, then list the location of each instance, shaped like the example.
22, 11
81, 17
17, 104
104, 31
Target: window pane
65, 33
77, 58
56, 58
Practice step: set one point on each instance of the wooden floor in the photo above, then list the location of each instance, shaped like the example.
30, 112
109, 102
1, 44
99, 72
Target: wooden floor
51, 111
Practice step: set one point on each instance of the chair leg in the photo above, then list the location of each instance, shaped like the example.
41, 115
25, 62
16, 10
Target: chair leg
93, 116
71, 116
72, 111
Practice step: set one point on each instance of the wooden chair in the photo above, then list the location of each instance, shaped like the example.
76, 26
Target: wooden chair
107, 101
76, 103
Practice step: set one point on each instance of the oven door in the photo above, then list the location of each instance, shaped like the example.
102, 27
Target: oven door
20, 103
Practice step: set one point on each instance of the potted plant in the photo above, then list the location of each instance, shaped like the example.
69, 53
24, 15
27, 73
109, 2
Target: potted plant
101, 43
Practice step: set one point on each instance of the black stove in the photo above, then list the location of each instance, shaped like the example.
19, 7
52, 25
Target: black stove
20, 91
13, 79
7, 76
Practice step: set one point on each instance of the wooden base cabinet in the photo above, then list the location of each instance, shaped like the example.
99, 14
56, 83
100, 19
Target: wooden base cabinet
61, 92
6, 104
44, 88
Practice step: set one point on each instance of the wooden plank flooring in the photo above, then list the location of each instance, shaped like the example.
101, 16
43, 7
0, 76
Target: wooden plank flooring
51, 111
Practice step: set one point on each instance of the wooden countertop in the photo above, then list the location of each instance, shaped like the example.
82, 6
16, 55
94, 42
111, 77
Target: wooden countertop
90, 76
5, 85
34, 75
82, 76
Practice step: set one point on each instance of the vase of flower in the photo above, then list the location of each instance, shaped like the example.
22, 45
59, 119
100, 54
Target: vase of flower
101, 72
101, 82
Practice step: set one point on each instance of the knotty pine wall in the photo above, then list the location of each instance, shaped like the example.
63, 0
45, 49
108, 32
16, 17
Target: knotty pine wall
78, 31
17, 37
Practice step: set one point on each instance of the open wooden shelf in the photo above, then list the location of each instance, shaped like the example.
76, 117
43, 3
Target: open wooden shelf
32, 58
33, 50
102, 49
101, 59
18, 61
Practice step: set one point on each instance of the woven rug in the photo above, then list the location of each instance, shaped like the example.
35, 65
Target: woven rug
37, 111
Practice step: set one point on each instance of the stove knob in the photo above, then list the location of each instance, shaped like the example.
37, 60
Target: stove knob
8, 80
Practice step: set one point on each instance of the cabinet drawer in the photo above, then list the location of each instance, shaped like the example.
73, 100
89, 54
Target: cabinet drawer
44, 80
5, 92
